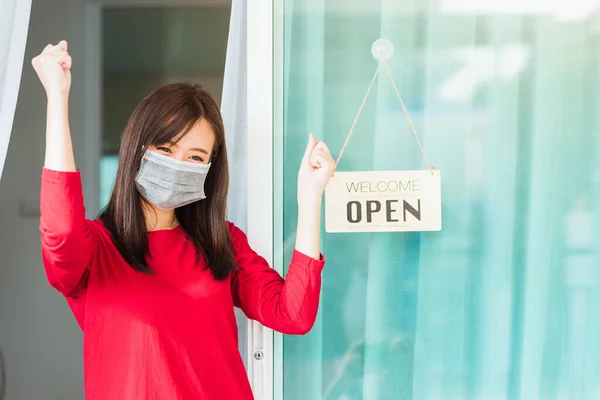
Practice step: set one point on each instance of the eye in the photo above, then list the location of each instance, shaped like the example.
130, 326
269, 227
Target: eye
164, 149
196, 158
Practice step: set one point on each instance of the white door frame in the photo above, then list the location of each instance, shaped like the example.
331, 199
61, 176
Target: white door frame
259, 357
260, 176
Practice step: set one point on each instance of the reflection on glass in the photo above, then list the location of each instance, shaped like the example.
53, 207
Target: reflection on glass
500, 304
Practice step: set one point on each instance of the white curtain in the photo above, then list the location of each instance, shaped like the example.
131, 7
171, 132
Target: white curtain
233, 108
14, 20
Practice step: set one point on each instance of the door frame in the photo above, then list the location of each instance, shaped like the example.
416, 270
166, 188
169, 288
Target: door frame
260, 200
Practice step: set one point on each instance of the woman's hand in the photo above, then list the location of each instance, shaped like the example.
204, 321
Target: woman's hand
315, 170
53, 67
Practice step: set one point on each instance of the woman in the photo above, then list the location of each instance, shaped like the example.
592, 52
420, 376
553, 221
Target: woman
153, 282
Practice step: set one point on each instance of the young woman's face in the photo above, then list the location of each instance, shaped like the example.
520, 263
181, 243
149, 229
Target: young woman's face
196, 146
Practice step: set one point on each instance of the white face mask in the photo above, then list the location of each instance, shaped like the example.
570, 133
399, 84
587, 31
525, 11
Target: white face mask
168, 183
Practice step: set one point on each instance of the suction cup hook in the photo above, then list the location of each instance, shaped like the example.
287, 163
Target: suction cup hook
382, 49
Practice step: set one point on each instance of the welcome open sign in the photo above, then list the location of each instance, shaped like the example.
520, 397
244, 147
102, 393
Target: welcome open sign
392, 201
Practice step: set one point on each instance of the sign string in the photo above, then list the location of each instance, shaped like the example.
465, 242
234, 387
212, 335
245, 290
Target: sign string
383, 62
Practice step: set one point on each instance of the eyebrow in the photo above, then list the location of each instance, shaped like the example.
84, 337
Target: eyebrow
198, 149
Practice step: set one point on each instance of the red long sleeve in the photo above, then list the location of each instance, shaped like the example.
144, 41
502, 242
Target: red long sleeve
288, 306
170, 335
67, 238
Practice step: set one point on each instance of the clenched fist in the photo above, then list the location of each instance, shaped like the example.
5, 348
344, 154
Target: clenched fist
53, 67
316, 169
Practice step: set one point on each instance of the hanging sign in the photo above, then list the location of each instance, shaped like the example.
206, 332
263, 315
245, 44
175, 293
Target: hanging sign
389, 201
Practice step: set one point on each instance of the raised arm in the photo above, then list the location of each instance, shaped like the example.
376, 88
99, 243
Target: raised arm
288, 306
67, 237
53, 67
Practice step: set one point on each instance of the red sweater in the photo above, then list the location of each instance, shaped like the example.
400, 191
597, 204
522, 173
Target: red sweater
171, 335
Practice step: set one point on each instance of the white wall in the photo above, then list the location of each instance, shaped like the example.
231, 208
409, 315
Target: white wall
39, 337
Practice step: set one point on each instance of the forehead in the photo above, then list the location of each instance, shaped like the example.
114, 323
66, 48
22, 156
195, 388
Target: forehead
201, 135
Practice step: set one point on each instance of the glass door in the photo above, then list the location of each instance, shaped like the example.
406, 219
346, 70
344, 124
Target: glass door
501, 304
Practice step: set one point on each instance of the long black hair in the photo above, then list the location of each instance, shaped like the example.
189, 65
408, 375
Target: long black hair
166, 115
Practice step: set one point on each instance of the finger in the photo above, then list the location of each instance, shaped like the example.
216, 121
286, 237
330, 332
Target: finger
67, 64
58, 54
325, 149
321, 154
312, 142
321, 164
321, 157
322, 161
322, 147
64, 45
52, 49
63, 59
47, 48
56, 49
